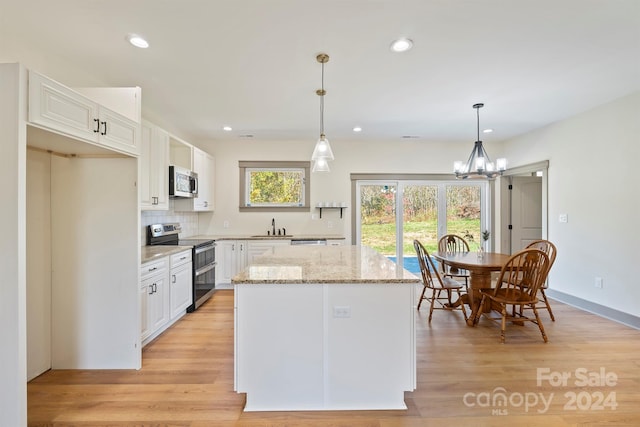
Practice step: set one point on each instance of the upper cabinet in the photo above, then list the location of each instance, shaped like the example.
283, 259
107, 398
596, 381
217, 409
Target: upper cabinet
154, 168
60, 109
203, 164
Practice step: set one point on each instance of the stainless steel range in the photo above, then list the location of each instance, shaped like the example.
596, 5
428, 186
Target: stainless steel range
203, 254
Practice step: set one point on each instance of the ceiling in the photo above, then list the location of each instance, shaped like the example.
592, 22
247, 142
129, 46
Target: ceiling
251, 64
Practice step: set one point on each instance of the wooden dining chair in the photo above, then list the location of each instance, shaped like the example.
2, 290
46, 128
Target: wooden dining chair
518, 284
453, 243
550, 249
434, 285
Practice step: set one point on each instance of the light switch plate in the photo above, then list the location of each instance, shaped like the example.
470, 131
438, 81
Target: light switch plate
563, 218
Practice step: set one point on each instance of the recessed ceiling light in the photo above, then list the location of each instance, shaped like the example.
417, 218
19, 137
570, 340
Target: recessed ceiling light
227, 128
487, 131
137, 41
401, 45
357, 129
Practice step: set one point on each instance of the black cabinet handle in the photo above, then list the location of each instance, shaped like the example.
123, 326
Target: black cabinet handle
97, 129
104, 132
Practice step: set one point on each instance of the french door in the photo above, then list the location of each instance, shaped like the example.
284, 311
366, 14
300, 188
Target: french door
391, 214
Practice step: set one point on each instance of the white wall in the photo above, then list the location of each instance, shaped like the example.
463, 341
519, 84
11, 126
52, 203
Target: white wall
398, 156
593, 165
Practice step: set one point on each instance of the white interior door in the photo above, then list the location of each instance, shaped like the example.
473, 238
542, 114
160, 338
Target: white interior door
526, 211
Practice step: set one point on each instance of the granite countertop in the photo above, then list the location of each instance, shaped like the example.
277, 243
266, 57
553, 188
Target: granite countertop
152, 253
323, 264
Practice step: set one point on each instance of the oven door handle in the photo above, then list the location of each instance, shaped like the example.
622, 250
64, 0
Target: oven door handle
206, 268
205, 248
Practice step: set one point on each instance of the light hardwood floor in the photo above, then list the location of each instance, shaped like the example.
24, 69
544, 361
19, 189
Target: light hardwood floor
187, 378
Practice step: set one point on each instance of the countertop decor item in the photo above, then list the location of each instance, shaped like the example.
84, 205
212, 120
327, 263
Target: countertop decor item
479, 165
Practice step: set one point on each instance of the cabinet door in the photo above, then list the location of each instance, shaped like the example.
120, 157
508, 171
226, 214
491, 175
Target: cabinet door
154, 168
231, 256
225, 256
61, 109
118, 132
158, 307
240, 257
160, 170
144, 312
146, 164
181, 290
204, 166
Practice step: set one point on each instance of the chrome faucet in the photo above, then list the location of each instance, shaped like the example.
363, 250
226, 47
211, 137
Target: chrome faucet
273, 225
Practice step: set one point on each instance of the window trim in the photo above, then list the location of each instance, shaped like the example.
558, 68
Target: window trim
243, 165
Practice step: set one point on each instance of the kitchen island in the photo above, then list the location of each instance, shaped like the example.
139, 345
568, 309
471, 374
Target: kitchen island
324, 328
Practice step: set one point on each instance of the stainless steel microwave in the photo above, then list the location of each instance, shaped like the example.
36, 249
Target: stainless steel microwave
182, 182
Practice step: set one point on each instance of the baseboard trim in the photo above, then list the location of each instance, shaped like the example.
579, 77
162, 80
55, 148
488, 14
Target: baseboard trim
591, 307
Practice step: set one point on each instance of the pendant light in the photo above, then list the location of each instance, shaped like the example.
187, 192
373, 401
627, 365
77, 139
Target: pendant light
322, 152
479, 165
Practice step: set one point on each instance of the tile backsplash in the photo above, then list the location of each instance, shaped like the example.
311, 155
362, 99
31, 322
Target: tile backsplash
188, 221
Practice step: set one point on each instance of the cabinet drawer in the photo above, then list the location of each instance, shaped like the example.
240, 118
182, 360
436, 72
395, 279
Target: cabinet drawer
180, 258
153, 268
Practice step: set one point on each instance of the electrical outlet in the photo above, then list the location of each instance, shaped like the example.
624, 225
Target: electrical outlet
598, 282
563, 218
329, 224
314, 217
342, 311
225, 224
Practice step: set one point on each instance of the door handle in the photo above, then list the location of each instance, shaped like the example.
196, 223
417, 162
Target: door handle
104, 132
174, 278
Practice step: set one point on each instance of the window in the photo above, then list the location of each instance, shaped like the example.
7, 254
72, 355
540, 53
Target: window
274, 186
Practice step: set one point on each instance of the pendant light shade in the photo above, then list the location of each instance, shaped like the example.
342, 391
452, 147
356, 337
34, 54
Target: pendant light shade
320, 165
479, 165
322, 152
322, 149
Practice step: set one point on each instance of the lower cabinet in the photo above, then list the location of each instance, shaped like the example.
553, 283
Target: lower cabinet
181, 294
260, 247
234, 255
232, 258
154, 310
165, 293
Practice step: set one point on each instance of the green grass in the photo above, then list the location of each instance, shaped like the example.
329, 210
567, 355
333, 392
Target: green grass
382, 237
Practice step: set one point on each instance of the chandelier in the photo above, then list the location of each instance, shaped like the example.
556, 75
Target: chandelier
322, 152
479, 165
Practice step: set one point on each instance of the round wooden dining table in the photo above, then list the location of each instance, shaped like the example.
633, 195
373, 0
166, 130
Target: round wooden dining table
480, 268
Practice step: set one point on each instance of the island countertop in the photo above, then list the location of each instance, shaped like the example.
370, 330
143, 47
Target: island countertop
323, 264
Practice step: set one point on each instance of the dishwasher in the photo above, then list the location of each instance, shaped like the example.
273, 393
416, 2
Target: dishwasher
312, 242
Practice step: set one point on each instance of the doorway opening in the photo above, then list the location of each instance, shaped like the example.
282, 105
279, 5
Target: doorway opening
523, 207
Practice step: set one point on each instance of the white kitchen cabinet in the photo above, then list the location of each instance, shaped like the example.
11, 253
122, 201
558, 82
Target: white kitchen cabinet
204, 165
60, 109
231, 256
260, 247
180, 283
154, 168
154, 309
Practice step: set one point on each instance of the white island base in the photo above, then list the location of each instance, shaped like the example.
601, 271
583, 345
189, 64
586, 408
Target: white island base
325, 346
